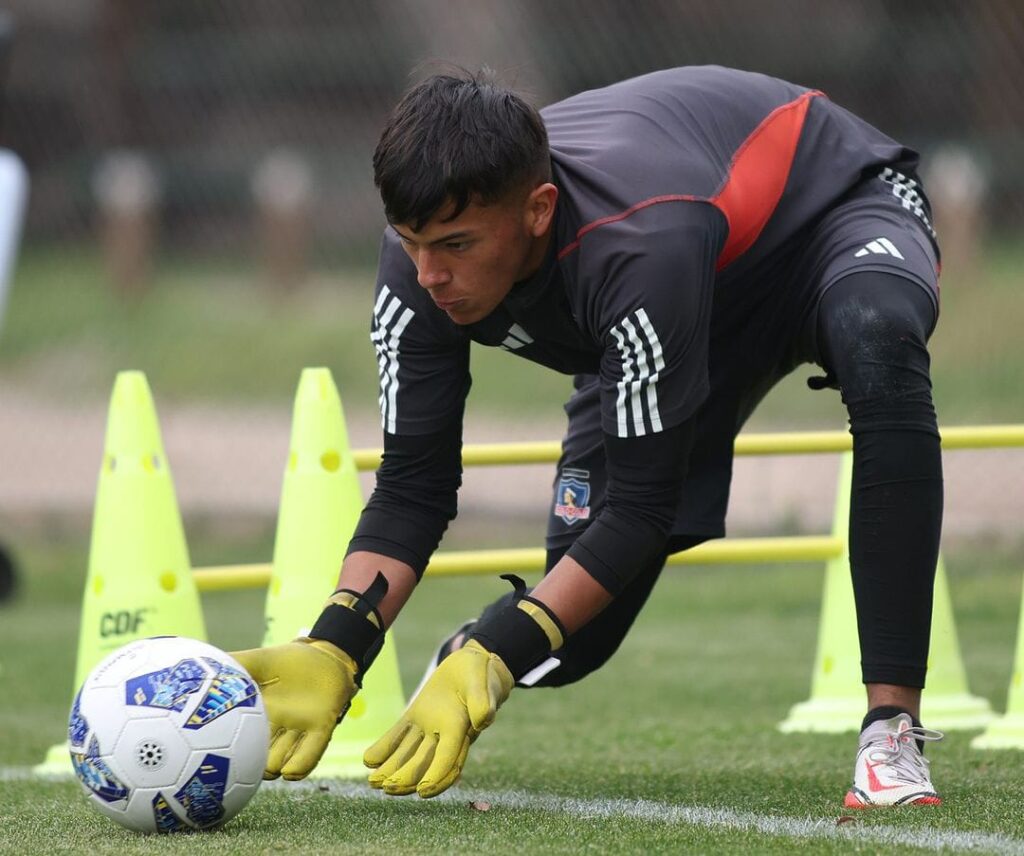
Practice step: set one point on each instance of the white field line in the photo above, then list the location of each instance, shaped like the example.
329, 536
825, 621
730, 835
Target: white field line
929, 838
650, 811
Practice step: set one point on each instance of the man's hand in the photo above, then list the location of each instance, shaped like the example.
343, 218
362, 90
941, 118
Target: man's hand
426, 750
307, 686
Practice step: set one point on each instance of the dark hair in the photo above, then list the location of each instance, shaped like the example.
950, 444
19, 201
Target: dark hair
457, 139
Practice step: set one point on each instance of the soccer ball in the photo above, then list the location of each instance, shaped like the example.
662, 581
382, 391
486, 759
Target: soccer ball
169, 734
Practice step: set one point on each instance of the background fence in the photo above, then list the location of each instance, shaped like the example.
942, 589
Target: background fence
207, 91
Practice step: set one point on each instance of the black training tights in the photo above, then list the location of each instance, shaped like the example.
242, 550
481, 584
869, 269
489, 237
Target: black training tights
872, 334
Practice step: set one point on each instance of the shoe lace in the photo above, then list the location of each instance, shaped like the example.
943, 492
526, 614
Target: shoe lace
901, 754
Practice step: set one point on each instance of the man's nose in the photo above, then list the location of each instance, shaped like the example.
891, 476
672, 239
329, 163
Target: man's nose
430, 270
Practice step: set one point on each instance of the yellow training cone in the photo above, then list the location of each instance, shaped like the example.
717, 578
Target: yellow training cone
139, 581
946, 702
1007, 731
838, 699
320, 505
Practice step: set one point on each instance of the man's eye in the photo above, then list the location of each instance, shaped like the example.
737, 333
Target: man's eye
457, 246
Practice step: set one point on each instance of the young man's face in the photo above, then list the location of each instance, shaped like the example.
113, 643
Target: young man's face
470, 263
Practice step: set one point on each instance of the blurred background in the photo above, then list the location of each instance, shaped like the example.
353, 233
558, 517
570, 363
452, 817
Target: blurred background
202, 208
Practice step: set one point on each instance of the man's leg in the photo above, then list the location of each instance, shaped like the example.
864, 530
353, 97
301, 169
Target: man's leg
872, 334
873, 330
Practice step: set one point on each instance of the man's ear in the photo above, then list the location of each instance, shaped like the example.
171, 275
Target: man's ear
540, 208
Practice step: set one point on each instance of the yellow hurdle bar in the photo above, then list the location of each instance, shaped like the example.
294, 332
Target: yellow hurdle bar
803, 548
810, 548
783, 443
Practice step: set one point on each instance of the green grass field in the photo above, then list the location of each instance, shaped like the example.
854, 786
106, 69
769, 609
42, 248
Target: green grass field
671, 748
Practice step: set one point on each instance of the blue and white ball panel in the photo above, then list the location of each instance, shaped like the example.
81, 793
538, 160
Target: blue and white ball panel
227, 689
96, 776
78, 727
165, 818
230, 688
203, 794
168, 689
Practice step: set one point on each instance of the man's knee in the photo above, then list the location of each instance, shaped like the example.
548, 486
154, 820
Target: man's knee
873, 332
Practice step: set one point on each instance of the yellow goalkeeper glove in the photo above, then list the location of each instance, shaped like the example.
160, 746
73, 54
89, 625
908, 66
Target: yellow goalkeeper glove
308, 684
426, 750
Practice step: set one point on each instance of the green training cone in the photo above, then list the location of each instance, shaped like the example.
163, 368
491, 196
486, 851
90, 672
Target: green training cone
1007, 731
838, 700
320, 505
139, 581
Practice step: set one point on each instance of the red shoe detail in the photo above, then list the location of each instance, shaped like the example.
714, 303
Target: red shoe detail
873, 784
927, 801
853, 801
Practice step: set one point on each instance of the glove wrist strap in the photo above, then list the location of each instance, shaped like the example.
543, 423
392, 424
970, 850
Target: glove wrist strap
351, 622
522, 634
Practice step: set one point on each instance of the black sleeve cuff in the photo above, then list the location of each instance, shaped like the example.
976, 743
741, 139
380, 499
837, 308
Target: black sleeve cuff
614, 551
379, 532
415, 497
350, 621
645, 477
516, 637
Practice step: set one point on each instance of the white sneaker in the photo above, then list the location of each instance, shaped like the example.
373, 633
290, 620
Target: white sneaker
890, 768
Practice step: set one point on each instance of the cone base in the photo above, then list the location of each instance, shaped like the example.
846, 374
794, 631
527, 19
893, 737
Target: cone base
345, 761
1006, 732
344, 756
56, 763
955, 712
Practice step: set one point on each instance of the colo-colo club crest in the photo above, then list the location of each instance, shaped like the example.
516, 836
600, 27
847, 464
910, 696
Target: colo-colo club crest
573, 500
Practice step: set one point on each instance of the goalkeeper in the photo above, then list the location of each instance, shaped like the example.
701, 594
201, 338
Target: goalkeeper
678, 242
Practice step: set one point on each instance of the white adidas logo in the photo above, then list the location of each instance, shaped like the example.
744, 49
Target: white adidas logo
880, 247
517, 337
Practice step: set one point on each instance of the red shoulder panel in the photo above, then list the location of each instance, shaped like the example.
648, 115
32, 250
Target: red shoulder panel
758, 175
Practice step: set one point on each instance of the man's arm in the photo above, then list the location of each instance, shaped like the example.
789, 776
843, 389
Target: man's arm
360, 569
570, 591
309, 683
402, 524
